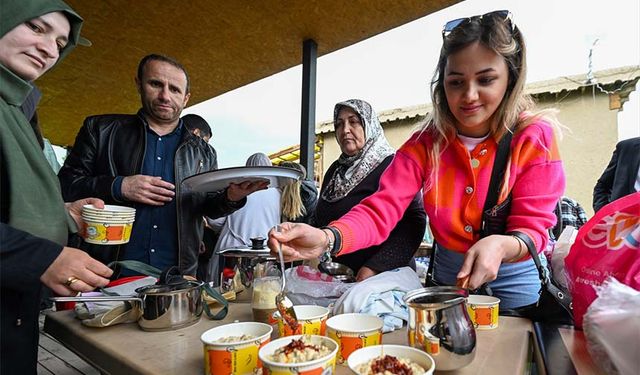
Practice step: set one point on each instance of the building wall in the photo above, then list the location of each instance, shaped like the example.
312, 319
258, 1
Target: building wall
586, 146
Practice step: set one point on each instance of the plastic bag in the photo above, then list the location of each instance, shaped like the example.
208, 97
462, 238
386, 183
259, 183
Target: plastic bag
612, 328
559, 253
607, 245
308, 286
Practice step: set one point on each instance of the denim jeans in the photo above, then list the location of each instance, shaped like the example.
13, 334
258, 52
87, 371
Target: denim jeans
517, 284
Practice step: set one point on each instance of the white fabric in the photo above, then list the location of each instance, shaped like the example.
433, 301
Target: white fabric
381, 295
637, 184
471, 142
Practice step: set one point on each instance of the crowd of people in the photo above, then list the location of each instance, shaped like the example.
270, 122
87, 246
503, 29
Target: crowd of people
362, 217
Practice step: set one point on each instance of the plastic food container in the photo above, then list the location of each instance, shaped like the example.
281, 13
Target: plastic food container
322, 365
354, 331
227, 352
364, 355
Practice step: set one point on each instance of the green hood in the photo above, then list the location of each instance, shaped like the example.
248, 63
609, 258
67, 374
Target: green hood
15, 12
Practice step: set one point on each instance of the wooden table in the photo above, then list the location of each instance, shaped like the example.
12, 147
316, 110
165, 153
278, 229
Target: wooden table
126, 349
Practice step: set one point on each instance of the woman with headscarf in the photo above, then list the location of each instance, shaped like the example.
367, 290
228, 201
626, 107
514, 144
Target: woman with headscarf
34, 36
353, 177
261, 213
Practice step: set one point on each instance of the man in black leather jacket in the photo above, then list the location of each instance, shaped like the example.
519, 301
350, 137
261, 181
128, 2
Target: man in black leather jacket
126, 160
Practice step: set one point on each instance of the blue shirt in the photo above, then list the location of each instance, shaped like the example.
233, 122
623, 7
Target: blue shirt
154, 237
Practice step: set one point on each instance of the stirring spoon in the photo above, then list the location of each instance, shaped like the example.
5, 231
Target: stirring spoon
283, 303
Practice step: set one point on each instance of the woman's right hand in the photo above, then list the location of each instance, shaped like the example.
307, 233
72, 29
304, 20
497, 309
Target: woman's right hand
299, 241
75, 271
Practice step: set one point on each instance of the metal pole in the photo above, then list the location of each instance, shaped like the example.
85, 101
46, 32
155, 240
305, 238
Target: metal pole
308, 117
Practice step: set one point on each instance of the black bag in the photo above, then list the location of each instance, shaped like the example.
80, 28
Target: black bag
553, 306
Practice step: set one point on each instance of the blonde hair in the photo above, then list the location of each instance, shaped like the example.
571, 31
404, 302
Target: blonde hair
291, 204
517, 109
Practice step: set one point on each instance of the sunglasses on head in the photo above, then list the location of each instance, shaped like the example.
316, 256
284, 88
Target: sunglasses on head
496, 15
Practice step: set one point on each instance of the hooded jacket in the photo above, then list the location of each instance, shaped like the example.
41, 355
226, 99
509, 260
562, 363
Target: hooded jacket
33, 220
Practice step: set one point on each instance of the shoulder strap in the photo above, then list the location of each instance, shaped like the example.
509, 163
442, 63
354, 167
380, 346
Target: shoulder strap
498, 171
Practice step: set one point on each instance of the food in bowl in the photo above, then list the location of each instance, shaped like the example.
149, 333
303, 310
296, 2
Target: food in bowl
300, 350
232, 349
389, 365
228, 339
391, 359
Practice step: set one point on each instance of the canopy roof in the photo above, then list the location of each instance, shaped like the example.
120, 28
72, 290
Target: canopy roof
223, 45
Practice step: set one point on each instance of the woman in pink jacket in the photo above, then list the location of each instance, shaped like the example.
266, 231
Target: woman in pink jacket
478, 97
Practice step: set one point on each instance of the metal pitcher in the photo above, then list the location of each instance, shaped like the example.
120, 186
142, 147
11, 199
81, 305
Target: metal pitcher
440, 325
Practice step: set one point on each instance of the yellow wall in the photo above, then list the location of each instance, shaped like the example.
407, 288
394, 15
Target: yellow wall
586, 148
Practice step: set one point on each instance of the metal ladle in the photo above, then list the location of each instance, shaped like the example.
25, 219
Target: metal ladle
283, 303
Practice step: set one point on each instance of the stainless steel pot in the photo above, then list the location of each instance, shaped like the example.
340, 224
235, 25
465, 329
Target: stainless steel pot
163, 307
440, 325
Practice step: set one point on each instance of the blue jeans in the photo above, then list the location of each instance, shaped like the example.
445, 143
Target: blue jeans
517, 284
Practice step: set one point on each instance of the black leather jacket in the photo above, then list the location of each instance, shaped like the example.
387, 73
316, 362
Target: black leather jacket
114, 145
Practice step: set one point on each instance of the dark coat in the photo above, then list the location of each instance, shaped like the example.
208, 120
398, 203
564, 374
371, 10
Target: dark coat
619, 177
108, 146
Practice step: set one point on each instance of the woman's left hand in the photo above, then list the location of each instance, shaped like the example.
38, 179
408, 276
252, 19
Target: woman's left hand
75, 208
483, 259
365, 273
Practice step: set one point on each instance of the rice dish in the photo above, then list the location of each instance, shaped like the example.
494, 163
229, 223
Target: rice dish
299, 351
389, 365
230, 339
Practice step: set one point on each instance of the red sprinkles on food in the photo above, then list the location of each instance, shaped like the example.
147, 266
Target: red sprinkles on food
298, 345
391, 364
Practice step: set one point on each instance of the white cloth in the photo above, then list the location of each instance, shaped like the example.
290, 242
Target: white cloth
381, 295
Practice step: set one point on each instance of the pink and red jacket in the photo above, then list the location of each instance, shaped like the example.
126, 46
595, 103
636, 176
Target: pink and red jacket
455, 201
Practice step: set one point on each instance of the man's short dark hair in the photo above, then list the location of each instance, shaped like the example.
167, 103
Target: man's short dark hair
193, 121
163, 58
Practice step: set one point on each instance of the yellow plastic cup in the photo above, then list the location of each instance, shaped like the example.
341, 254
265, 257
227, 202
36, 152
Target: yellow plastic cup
320, 366
312, 320
107, 233
483, 311
235, 357
354, 331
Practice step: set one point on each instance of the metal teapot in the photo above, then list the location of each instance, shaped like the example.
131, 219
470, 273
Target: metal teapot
440, 325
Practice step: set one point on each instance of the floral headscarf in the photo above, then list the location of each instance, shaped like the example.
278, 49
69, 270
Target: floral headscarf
352, 170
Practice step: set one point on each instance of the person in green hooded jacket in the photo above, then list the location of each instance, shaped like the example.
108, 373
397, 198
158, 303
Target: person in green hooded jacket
34, 220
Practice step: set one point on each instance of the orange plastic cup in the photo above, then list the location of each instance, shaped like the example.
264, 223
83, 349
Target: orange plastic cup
483, 311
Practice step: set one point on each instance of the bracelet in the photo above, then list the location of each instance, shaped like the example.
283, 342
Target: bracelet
326, 255
337, 244
520, 246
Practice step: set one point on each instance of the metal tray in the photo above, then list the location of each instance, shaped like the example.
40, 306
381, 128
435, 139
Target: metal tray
221, 178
